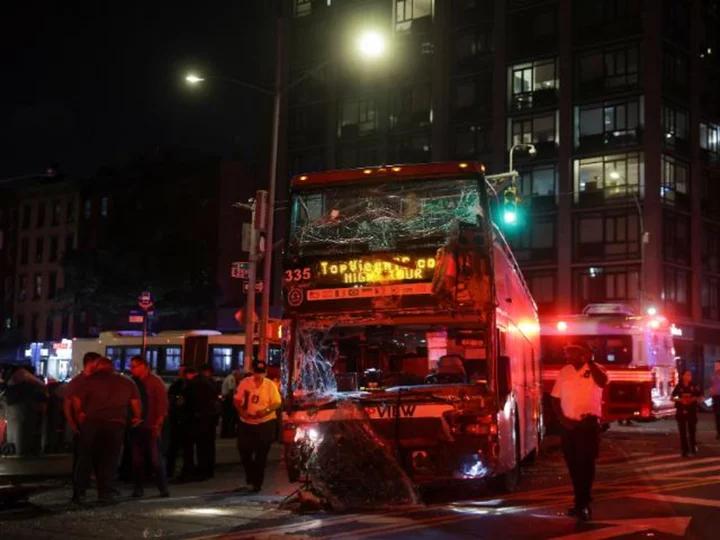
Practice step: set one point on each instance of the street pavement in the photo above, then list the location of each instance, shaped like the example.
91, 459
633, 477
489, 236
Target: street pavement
644, 489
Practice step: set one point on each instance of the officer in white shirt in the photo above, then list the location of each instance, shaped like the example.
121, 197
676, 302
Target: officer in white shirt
577, 401
257, 399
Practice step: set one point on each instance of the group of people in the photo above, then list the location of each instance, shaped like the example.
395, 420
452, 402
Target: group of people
577, 402
107, 410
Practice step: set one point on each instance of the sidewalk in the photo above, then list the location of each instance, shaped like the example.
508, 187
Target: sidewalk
193, 509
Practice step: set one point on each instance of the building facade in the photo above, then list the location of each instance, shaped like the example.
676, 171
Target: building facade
620, 98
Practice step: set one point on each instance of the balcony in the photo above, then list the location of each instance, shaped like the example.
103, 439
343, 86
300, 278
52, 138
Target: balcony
546, 97
594, 196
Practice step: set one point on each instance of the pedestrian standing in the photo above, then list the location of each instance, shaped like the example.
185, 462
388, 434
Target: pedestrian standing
577, 401
257, 399
145, 438
716, 397
200, 396
101, 406
207, 371
67, 392
686, 395
177, 420
229, 414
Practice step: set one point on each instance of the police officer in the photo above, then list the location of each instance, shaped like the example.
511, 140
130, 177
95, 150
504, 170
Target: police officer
577, 401
257, 399
686, 395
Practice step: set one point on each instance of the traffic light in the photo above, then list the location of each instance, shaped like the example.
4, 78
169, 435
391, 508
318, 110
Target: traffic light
510, 209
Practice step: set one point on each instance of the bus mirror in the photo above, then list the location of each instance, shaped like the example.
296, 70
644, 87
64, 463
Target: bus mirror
504, 378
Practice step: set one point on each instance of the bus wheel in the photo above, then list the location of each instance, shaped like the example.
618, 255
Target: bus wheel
509, 482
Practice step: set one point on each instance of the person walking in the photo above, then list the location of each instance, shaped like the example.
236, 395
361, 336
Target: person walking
145, 438
101, 406
257, 399
686, 395
177, 420
577, 401
715, 392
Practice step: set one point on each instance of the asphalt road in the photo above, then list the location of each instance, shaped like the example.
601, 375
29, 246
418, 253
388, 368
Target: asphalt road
644, 489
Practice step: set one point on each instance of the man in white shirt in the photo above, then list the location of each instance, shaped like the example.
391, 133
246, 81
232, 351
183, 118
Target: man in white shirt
577, 401
257, 399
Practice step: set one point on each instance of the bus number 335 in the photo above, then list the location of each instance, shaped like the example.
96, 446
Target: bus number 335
298, 274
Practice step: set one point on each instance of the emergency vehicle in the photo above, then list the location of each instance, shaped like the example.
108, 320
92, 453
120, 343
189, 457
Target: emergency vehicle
397, 280
636, 351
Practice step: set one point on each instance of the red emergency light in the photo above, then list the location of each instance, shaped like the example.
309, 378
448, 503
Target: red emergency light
398, 172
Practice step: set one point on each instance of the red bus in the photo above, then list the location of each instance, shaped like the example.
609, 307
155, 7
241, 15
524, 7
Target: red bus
636, 351
403, 296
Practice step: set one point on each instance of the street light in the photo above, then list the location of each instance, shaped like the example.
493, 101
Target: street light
370, 44
506, 181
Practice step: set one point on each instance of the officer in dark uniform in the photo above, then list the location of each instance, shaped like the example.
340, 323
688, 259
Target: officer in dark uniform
686, 395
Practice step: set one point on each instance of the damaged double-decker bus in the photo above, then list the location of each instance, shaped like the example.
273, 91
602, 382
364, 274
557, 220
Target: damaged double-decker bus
403, 299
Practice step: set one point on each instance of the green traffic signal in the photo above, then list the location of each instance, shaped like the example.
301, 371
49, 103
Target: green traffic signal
510, 216
510, 210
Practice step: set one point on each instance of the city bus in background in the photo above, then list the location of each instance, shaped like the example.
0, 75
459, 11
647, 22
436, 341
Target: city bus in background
636, 351
167, 351
400, 289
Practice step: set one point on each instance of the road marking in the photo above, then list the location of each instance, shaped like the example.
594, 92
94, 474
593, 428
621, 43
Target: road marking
677, 499
683, 464
671, 525
688, 471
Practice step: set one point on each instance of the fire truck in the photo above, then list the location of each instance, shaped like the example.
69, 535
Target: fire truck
401, 291
636, 351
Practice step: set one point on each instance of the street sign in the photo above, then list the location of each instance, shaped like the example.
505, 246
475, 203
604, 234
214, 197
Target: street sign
258, 286
240, 270
145, 300
138, 317
135, 318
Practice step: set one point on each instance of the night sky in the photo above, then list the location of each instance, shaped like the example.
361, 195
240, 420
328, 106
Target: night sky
91, 87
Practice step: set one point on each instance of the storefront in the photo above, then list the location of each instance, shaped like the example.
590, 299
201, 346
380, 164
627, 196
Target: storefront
51, 360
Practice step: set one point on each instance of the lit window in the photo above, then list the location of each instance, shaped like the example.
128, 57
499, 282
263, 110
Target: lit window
609, 176
533, 84
710, 139
357, 118
303, 8
536, 129
674, 187
407, 11
608, 124
104, 206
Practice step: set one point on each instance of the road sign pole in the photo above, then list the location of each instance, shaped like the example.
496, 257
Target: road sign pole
249, 319
145, 328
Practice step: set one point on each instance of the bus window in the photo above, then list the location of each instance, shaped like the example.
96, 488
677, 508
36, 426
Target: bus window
241, 359
173, 359
151, 354
115, 354
275, 356
221, 359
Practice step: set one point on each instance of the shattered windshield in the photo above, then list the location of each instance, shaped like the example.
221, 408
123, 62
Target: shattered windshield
362, 219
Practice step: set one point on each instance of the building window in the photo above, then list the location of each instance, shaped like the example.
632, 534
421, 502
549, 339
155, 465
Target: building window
608, 177
37, 287
34, 318
70, 216
465, 93
65, 326
535, 241
40, 215
358, 117
410, 107
470, 141
24, 250
539, 182
87, 209
710, 140
675, 70
710, 298
537, 129
411, 149
676, 291
675, 182
542, 287
52, 285
606, 236
104, 206
710, 248
675, 127
407, 11
351, 156
20, 322
49, 327
55, 213
471, 43
311, 161
676, 238
39, 249
26, 217
601, 284
608, 69
22, 287
608, 124
606, 12
69, 242
302, 8
533, 84
8, 288
54, 247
